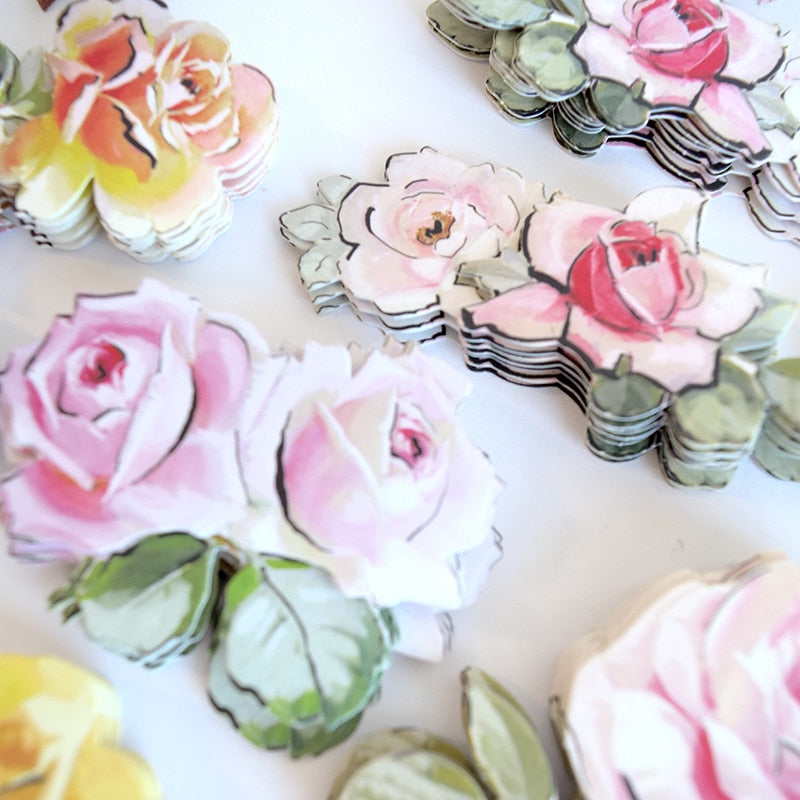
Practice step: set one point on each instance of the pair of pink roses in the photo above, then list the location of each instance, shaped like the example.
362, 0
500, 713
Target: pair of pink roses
140, 414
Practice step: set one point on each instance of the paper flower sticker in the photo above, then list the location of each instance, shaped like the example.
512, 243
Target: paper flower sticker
690, 691
142, 125
327, 502
60, 728
692, 81
658, 339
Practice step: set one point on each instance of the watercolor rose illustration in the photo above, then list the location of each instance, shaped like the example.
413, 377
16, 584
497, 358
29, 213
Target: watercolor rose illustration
375, 481
60, 727
689, 54
124, 423
409, 234
154, 118
631, 285
694, 693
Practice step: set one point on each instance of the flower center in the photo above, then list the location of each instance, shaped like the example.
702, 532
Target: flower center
20, 745
441, 223
409, 441
105, 360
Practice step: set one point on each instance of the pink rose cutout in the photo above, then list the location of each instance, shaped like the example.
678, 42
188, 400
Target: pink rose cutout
375, 480
691, 692
630, 285
409, 234
123, 422
689, 54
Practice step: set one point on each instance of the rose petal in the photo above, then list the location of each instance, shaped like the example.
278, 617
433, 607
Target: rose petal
676, 359
532, 311
556, 233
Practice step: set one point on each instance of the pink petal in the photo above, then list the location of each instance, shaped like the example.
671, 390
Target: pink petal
558, 231
533, 311
724, 108
679, 358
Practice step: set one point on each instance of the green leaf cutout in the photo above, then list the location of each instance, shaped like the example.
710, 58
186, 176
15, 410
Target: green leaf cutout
295, 662
420, 774
392, 741
778, 446
467, 40
629, 407
544, 57
507, 751
758, 339
513, 105
150, 603
309, 224
622, 108
721, 420
504, 14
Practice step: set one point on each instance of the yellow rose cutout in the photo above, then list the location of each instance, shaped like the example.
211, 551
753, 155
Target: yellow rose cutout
59, 731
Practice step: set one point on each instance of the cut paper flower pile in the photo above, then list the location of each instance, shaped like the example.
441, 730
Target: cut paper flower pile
507, 761
132, 122
708, 89
657, 339
690, 691
326, 502
59, 733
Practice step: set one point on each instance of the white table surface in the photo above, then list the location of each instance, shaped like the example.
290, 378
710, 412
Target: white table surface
357, 81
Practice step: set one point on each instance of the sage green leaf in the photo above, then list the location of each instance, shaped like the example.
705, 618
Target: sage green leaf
415, 773
771, 108
506, 748
332, 190
492, 276
778, 447
319, 267
727, 413
471, 41
544, 57
758, 338
309, 224
622, 108
313, 658
31, 92
502, 14
391, 741
151, 603
576, 141
515, 106
630, 396
8, 70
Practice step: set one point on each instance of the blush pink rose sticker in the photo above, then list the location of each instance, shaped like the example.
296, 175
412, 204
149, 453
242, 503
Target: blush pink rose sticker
409, 234
692, 691
123, 422
698, 55
375, 480
630, 285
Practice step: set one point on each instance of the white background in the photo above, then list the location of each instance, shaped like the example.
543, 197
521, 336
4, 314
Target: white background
357, 81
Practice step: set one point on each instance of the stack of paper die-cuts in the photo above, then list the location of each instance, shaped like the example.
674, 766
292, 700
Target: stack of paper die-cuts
661, 342
709, 90
134, 123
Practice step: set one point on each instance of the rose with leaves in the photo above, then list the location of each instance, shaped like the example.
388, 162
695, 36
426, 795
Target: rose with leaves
153, 115
628, 286
374, 479
698, 55
409, 234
